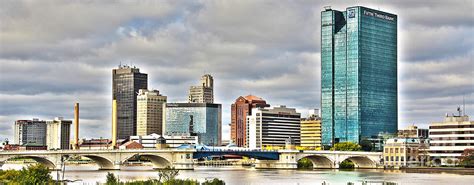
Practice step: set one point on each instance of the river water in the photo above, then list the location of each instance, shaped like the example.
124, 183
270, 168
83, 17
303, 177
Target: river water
87, 174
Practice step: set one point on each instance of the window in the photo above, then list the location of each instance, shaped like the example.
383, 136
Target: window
386, 158
391, 150
391, 158
402, 150
396, 158
396, 150
386, 150
402, 158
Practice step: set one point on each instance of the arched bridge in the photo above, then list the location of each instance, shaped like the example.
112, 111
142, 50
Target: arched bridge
184, 158
107, 159
256, 154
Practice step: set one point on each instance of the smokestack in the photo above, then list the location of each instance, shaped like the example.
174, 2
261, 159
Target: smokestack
114, 123
76, 126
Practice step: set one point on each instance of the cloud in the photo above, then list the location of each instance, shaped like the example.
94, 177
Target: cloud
55, 53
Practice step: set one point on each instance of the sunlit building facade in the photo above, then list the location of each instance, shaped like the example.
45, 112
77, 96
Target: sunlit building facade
358, 74
197, 119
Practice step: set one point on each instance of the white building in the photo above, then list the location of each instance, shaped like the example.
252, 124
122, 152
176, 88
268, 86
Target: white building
174, 141
272, 127
58, 133
450, 138
150, 112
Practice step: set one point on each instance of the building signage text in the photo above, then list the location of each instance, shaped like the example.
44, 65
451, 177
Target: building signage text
381, 16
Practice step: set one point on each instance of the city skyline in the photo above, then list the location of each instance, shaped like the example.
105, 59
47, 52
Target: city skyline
61, 62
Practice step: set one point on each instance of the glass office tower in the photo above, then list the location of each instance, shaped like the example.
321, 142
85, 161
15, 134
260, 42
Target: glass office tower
358, 74
200, 119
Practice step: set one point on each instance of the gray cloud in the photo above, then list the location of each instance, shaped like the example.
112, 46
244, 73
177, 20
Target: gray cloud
55, 53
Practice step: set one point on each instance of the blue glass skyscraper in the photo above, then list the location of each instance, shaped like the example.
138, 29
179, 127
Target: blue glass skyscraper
358, 74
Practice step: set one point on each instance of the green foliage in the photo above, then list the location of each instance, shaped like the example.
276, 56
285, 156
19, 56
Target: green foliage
305, 163
181, 182
366, 145
467, 158
214, 181
111, 179
347, 164
33, 174
167, 174
346, 146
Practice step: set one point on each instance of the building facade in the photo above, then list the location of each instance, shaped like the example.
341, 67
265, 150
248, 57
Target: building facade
126, 81
196, 119
413, 132
31, 132
150, 112
58, 134
240, 109
150, 141
405, 152
358, 74
311, 132
273, 127
204, 92
450, 138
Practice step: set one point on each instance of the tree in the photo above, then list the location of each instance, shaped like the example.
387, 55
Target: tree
167, 174
346, 164
467, 158
366, 145
214, 181
111, 179
305, 163
346, 146
33, 174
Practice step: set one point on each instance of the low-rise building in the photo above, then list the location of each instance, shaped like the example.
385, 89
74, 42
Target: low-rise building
311, 132
131, 145
172, 141
413, 132
405, 152
95, 144
450, 138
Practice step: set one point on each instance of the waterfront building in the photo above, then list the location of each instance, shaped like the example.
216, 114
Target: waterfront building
311, 132
58, 133
379, 140
131, 145
150, 112
414, 132
273, 127
358, 74
95, 144
240, 109
450, 138
196, 119
204, 92
405, 152
171, 141
31, 132
126, 81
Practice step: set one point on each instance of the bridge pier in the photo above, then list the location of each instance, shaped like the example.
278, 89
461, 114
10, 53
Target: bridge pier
287, 160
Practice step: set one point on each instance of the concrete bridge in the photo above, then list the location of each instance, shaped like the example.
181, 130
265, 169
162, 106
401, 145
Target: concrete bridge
288, 159
107, 159
183, 158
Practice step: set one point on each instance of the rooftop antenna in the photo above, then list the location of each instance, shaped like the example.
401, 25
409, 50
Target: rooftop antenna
463, 106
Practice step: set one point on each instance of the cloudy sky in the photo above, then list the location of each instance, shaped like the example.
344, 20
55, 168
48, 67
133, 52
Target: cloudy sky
55, 53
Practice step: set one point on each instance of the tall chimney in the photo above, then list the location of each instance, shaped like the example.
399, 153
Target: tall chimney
76, 126
114, 123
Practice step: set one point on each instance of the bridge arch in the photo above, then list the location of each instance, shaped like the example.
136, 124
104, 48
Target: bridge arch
361, 161
39, 159
158, 161
319, 161
102, 162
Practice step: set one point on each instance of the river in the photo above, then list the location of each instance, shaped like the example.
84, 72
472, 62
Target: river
234, 175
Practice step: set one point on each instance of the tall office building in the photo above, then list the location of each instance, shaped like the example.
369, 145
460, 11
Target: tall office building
58, 133
272, 127
204, 92
358, 74
150, 112
126, 81
30, 132
196, 119
240, 109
